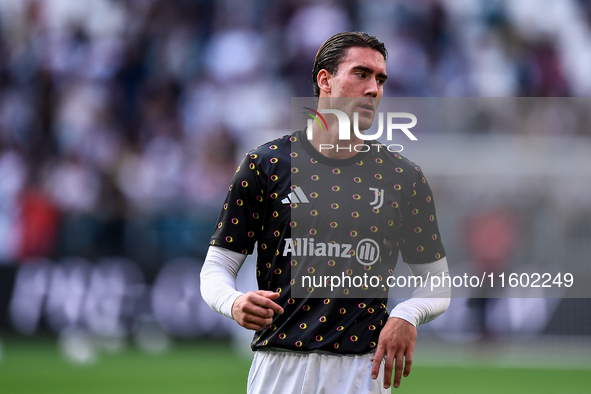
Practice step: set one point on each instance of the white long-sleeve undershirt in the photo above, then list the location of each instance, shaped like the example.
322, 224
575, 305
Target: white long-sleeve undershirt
218, 279
218, 287
426, 303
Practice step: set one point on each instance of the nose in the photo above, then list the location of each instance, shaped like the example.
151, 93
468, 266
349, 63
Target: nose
372, 88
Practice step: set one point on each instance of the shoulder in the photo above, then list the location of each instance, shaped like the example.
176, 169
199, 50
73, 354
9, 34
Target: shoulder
272, 153
399, 163
268, 149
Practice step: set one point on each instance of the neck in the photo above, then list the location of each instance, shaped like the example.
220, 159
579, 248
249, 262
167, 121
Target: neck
327, 142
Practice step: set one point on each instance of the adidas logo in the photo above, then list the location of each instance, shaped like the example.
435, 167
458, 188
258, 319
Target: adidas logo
297, 196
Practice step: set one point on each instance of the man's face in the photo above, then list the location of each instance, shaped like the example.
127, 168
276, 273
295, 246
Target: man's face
361, 74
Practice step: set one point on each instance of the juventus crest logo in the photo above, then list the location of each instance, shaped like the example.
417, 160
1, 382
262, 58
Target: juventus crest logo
379, 197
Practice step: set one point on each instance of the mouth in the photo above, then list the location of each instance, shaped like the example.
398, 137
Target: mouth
368, 107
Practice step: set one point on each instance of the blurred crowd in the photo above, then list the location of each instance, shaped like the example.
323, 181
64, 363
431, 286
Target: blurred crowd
122, 121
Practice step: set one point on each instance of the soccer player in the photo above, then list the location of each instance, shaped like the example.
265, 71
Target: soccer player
314, 205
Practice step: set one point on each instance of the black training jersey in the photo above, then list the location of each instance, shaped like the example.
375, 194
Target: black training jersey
315, 218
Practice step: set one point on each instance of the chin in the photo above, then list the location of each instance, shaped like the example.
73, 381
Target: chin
365, 122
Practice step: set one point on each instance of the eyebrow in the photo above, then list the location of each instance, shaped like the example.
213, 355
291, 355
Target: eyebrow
370, 71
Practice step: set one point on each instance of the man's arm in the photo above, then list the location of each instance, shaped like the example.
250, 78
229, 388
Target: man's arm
398, 337
426, 303
218, 279
253, 310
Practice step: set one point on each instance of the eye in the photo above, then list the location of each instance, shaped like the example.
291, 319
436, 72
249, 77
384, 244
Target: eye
381, 81
360, 75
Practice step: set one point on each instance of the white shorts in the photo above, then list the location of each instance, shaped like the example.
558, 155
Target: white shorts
285, 372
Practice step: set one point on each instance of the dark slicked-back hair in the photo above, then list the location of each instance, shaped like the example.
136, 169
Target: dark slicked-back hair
332, 52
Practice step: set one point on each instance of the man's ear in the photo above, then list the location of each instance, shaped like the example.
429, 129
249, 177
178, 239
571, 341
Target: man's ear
324, 80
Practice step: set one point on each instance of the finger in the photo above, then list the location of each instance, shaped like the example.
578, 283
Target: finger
256, 299
388, 368
268, 294
252, 326
408, 362
398, 369
267, 303
261, 322
255, 310
377, 361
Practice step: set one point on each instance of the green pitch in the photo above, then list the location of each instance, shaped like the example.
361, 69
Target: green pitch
36, 366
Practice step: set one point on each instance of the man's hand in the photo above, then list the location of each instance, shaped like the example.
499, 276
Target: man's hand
397, 340
254, 310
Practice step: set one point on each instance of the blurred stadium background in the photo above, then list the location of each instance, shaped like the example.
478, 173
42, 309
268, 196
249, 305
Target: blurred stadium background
121, 124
